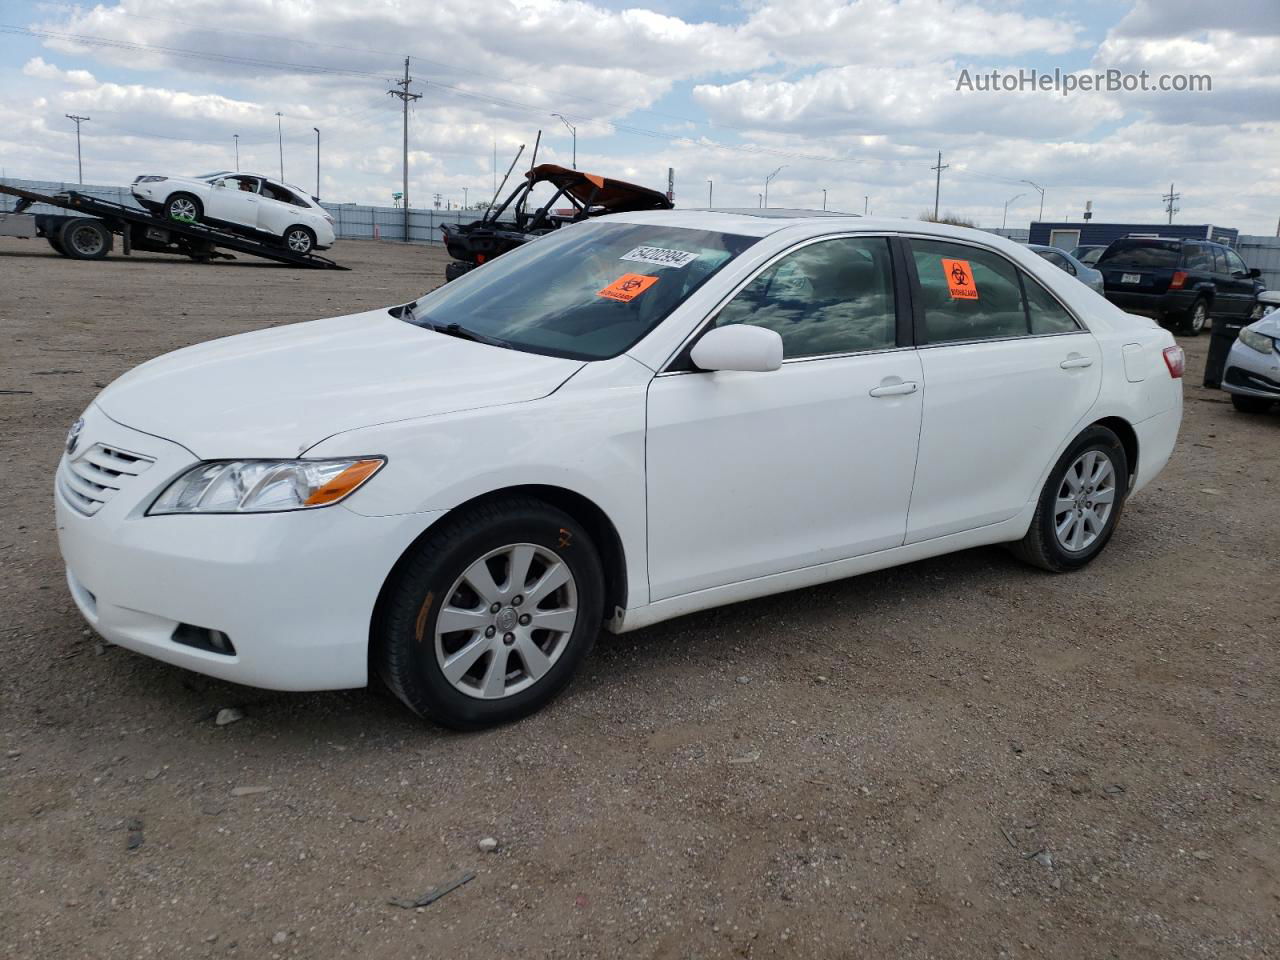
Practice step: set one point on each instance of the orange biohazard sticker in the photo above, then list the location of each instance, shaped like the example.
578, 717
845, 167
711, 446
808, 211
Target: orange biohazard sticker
627, 287
960, 279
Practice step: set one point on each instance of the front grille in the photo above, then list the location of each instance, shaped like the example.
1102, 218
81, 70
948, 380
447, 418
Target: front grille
94, 476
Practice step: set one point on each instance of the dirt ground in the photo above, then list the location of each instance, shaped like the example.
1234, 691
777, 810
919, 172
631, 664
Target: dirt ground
963, 757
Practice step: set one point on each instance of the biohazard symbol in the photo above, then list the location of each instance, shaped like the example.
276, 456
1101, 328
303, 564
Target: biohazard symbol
627, 287
960, 279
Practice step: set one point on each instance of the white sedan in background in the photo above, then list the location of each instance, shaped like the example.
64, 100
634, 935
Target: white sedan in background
245, 202
628, 420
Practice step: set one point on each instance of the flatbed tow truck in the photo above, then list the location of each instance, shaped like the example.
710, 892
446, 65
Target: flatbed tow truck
89, 232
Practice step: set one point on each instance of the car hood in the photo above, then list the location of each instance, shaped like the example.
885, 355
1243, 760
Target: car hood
277, 392
1270, 324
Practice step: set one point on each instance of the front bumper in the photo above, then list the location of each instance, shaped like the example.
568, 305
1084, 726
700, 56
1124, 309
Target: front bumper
293, 591
1251, 373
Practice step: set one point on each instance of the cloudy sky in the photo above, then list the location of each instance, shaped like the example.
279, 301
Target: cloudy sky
854, 96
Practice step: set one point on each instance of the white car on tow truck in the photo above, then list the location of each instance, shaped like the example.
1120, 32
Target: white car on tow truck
247, 203
630, 419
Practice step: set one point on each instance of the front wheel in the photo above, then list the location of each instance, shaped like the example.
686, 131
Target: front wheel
184, 208
490, 616
299, 239
1250, 404
1079, 505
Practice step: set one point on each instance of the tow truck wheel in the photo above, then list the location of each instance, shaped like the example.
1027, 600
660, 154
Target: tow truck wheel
84, 239
299, 239
57, 245
183, 207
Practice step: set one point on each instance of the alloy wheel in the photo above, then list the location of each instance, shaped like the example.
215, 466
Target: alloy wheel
1199, 316
505, 621
182, 209
1085, 500
299, 241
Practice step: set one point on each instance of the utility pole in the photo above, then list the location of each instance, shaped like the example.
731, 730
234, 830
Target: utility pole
464, 198
709, 187
236, 138
405, 98
764, 200
824, 198
280, 140
937, 183
79, 166
1170, 202
573, 130
1040, 190
317, 130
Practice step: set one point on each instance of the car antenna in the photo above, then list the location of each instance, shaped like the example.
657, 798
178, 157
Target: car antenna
493, 203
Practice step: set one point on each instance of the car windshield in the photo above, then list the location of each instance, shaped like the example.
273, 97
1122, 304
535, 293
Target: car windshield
588, 292
1142, 253
1090, 257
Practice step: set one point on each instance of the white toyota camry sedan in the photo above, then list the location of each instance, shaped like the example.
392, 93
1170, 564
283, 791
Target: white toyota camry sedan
627, 420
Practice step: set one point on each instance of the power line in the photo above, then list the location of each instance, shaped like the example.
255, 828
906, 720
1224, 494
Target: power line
1171, 202
79, 166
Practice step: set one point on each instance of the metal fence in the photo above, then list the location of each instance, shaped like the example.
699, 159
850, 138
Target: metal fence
1263, 253
350, 220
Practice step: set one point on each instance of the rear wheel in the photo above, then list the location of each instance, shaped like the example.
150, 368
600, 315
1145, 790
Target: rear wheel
490, 616
300, 239
1079, 505
1250, 404
1197, 318
57, 245
183, 207
85, 239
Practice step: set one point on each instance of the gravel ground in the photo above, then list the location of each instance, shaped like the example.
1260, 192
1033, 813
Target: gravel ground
963, 757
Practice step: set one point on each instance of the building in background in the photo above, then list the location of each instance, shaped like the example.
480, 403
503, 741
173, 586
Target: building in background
1067, 235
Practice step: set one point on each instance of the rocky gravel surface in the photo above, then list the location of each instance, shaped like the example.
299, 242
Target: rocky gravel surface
963, 757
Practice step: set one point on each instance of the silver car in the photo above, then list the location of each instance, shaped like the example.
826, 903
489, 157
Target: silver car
1090, 277
1252, 374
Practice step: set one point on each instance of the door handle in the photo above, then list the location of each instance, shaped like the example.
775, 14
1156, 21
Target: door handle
899, 389
1076, 361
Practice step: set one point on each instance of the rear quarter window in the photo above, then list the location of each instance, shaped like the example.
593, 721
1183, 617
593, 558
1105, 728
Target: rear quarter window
1142, 253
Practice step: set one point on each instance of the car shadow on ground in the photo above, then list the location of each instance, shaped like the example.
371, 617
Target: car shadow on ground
348, 717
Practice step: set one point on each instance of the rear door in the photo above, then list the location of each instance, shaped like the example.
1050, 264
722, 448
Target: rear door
1008, 376
278, 210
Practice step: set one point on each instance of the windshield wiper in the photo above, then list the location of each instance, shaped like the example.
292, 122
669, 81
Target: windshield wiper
459, 331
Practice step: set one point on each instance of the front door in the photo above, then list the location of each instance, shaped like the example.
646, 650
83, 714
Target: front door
234, 199
1008, 376
751, 474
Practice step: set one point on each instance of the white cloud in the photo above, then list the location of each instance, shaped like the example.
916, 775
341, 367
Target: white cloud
37, 67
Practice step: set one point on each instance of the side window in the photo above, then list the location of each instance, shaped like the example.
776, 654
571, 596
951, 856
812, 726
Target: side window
1196, 257
1234, 263
1044, 313
834, 296
969, 293
1219, 261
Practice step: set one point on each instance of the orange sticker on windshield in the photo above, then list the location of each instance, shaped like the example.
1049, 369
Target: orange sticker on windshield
960, 279
627, 287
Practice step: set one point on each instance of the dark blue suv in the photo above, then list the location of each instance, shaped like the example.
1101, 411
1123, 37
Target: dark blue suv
1178, 282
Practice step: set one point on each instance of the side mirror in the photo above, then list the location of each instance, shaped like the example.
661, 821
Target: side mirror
1255, 273
220, 184
738, 347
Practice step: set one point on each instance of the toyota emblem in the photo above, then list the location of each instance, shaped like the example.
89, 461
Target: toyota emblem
73, 436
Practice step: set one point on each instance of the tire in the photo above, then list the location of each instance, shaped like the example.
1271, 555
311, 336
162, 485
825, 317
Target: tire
409, 648
57, 245
1250, 404
184, 208
83, 238
1043, 546
1197, 318
456, 268
299, 239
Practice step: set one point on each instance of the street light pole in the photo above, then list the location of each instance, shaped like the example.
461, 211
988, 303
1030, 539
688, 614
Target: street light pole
824, 198
79, 166
709, 185
1041, 190
574, 131
866, 202
1004, 219
317, 130
236, 138
464, 198
764, 200
280, 140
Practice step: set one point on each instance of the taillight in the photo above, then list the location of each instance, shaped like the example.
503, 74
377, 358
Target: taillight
1175, 360
1179, 278
480, 259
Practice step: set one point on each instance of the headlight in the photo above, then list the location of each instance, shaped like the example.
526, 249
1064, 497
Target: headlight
1257, 341
264, 486
150, 179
